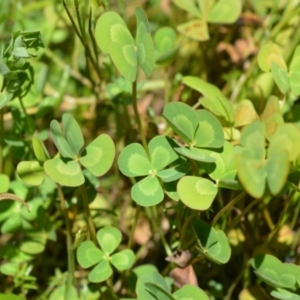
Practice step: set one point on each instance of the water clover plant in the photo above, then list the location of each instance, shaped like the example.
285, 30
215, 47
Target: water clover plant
254, 169
114, 38
88, 255
153, 286
207, 11
213, 244
97, 157
270, 59
283, 277
134, 161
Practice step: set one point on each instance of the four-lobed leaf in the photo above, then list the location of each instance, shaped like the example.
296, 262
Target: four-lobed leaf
88, 255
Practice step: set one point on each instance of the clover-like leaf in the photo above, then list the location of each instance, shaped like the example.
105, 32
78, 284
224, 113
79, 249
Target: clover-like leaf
161, 152
99, 155
31, 172
40, 151
147, 192
123, 260
268, 54
281, 77
174, 173
88, 254
213, 99
109, 238
196, 154
294, 74
4, 183
225, 11
212, 243
164, 40
60, 140
73, 133
133, 161
113, 37
195, 29
65, 172
183, 120
209, 133
196, 192
4, 97
101, 272
190, 292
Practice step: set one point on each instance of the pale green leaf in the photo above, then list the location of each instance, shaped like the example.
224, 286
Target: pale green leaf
40, 151
189, 6
196, 154
147, 192
31, 172
225, 11
195, 29
123, 260
88, 254
65, 172
190, 292
109, 238
133, 161
196, 192
99, 155
101, 272
174, 173
281, 77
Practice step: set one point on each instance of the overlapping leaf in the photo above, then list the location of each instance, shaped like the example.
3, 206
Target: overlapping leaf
113, 37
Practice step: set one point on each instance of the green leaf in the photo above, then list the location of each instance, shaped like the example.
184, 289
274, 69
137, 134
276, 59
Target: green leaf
161, 152
65, 172
174, 173
190, 292
101, 272
196, 154
147, 192
225, 11
155, 278
10, 297
189, 6
109, 238
213, 99
9, 269
88, 254
158, 291
39, 149
213, 243
182, 118
73, 133
4, 183
171, 191
144, 43
32, 247
99, 155
20, 52
164, 40
294, 73
5, 98
60, 140
133, 161
31, 172
195, 29
196, 192
60, 293
123, 260
209, 133
284, 294
269, 53
281, 77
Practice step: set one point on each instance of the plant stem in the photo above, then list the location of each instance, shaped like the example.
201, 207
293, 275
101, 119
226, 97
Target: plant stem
137, 117
278, 225
1, 139
136, 217
167, 86
227, 207
71, 259
87, 213
25, 113
162, 237
184, 228
238, 218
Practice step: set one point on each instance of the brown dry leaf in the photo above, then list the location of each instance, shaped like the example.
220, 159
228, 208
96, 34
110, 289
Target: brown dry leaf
184, 276
196, 30
180, 258
250, 19
142, 232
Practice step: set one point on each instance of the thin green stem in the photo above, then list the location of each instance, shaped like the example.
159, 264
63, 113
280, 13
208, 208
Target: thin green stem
278, 225
136, 217
185, 226
25, 113
239, 217
1, 139
71, 259
228, 207
137, 117
159, 229
87, 213
167, 85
